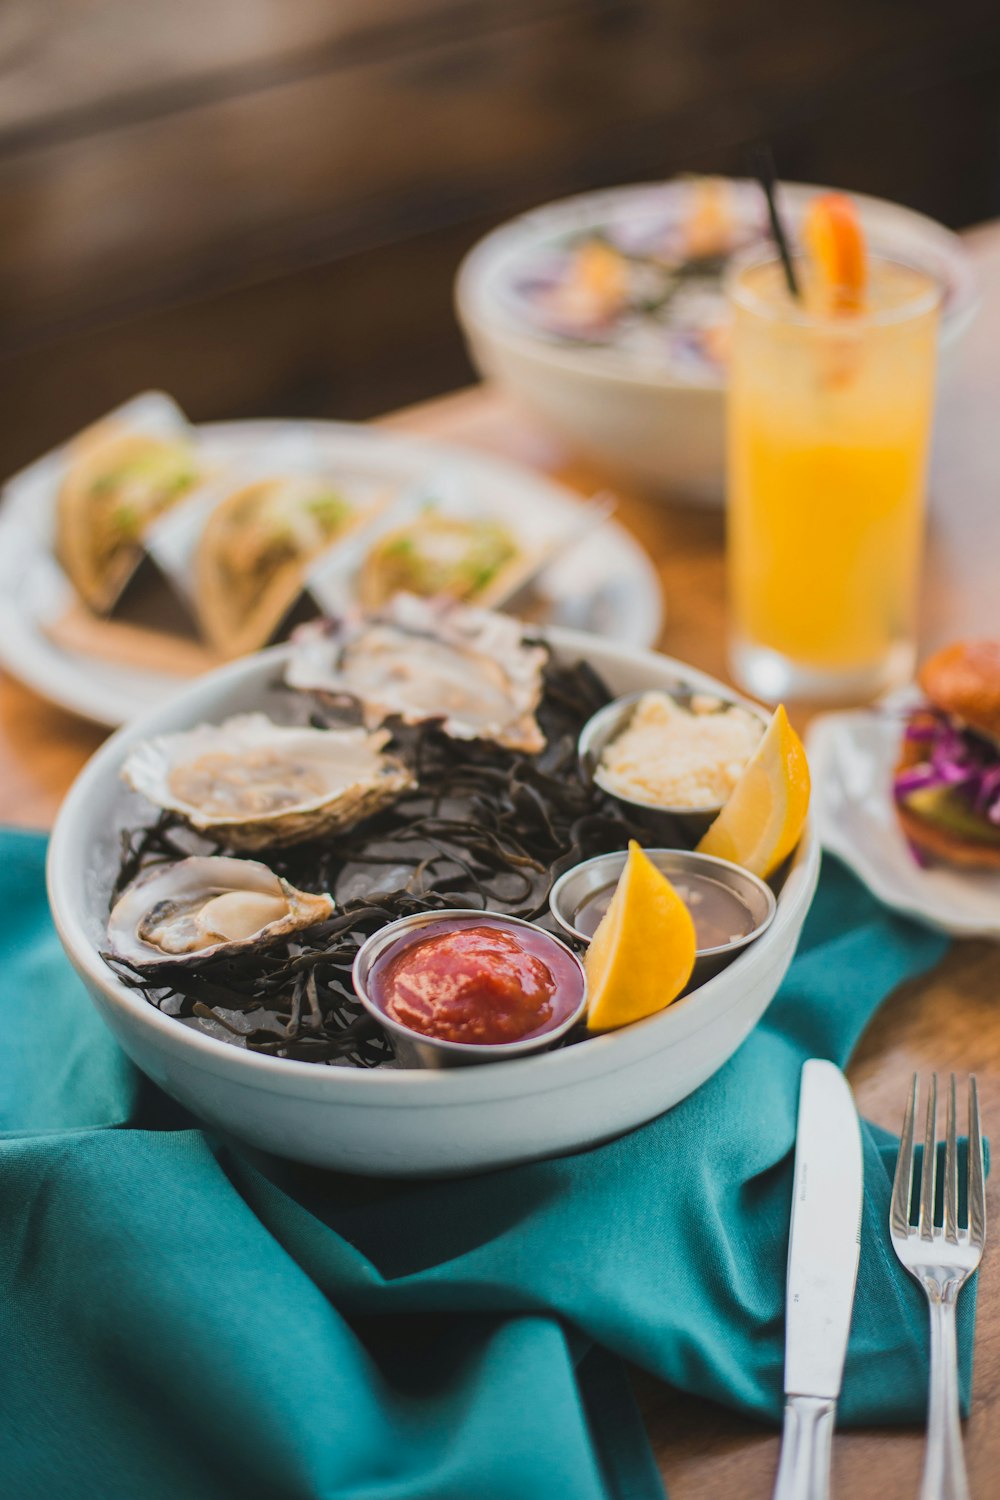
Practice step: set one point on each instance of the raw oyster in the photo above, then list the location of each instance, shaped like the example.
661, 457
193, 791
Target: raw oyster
426, 660
252, 783
203, 905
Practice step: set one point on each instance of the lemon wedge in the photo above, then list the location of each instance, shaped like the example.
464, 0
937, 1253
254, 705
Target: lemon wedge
766, 812
642, 954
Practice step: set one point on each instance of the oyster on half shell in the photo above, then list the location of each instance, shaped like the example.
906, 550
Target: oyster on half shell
426, 660
176, 913
252, 783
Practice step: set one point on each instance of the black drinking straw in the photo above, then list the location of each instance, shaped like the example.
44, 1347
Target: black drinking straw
763, 166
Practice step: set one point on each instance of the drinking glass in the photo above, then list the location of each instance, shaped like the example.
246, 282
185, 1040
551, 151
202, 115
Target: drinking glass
829, 419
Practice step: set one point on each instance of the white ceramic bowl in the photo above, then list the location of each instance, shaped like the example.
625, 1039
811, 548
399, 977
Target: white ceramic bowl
388, 1122
637, 419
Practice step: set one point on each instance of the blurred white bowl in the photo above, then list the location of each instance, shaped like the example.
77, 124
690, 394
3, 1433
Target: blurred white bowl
643, 422
388, 1122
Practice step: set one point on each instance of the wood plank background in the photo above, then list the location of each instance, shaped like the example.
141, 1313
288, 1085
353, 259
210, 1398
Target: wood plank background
260, 204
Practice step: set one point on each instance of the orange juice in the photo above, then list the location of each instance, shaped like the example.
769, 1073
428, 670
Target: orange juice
829, 419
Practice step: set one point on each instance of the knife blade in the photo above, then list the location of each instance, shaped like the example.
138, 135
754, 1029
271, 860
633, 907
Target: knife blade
823, 1253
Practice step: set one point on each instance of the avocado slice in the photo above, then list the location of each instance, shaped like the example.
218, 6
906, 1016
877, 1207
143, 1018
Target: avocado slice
946, 807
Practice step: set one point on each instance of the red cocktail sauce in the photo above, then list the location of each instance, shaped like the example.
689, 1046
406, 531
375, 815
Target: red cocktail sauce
476, 980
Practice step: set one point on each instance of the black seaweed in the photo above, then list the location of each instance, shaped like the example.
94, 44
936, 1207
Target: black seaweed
485, 827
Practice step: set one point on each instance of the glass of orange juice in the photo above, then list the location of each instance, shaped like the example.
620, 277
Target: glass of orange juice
829, 419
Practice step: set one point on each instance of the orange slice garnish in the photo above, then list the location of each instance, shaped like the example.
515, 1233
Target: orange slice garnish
835, 247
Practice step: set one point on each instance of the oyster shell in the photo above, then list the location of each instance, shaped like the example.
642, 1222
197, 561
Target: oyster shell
252, 783
204, 905
425, 660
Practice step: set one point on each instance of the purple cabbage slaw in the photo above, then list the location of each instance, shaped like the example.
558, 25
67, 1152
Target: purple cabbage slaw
952, 757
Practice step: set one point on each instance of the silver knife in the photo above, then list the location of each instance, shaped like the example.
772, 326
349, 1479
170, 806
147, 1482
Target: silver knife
823, 1255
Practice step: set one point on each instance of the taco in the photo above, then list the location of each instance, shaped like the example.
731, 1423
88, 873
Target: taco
254, 553
116, 484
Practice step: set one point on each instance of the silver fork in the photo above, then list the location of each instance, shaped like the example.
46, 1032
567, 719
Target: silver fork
941, 1259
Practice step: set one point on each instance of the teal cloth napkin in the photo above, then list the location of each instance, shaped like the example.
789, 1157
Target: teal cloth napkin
180, 1319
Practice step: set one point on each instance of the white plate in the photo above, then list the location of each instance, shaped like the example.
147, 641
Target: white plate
606, 584
852, 757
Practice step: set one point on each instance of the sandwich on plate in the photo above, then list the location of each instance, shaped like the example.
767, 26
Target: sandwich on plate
947, 782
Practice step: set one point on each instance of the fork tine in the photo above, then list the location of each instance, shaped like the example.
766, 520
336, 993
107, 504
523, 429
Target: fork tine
951, 1169
977, 1172
902, 1182
928, 1172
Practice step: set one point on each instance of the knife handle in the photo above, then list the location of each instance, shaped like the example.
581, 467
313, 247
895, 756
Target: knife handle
806, 1443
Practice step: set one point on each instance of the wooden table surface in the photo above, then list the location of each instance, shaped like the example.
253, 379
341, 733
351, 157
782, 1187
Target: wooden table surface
949, 1020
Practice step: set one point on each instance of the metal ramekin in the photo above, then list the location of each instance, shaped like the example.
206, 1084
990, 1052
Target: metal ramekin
572, 889
415, 1050
671, 824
